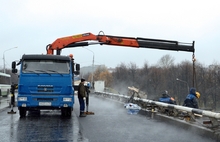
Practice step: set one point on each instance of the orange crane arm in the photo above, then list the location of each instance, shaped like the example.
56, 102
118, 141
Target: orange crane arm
78, 40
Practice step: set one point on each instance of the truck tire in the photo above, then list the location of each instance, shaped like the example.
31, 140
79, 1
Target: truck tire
69, 112
66, 112
22, 112
63, 112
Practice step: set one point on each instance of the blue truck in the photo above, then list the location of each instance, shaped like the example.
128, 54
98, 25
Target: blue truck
46, 82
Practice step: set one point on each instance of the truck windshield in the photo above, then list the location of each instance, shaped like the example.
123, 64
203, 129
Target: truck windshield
46, 66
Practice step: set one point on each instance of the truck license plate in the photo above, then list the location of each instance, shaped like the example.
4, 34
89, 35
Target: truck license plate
44, 103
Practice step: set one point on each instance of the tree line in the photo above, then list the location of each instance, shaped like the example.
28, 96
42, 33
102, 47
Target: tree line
177, 79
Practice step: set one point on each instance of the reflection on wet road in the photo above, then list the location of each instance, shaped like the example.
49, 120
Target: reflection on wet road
49, 126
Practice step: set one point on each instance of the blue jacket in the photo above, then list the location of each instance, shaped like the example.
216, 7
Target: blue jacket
166, 100
191, 100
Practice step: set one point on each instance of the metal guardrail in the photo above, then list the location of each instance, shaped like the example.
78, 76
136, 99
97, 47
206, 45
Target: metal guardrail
177, 109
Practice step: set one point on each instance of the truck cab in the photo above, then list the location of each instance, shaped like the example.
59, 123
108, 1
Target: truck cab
45, 82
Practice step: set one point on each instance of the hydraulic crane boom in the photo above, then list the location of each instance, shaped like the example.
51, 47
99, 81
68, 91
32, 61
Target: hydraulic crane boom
80, 40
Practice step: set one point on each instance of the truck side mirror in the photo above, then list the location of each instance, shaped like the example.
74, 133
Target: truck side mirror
77, 69
13, 66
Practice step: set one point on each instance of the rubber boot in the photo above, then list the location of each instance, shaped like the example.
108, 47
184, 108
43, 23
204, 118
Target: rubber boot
82, 114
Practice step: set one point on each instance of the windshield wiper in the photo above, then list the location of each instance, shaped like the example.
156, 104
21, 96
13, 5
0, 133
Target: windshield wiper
29, 71
55, 72
43, 72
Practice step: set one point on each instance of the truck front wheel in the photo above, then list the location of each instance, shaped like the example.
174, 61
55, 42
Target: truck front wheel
22, 112
66, 112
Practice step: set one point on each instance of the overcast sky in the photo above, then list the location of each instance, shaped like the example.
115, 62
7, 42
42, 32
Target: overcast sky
30, 25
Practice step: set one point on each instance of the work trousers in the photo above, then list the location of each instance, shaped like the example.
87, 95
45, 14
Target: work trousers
82, 104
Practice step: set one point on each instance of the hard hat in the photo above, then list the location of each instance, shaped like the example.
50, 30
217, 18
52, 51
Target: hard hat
198, 95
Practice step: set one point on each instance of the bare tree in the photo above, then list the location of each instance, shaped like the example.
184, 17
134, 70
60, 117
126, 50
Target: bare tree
166, 61
154, 79
133, 71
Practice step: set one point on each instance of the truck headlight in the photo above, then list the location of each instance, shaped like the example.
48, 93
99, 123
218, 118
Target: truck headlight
67, 99
22, 98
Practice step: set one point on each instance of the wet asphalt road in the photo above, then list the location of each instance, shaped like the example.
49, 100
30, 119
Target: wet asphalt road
49, 126
111, 123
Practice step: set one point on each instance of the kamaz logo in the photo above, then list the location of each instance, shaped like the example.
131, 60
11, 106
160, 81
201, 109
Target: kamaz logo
44, 85
45, 89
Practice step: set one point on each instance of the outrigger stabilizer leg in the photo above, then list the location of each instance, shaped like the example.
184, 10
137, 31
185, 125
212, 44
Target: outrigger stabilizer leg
12, 91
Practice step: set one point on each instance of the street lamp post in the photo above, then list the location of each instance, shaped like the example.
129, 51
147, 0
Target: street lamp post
4, 56
215, 70
93, 58
183, 82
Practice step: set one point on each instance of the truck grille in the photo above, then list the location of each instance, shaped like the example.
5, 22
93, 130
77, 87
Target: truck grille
45, 89
46, 99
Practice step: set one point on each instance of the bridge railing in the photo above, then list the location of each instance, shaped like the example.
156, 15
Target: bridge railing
189, 114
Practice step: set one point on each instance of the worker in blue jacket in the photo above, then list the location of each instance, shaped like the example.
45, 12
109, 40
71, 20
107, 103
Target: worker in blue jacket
191, 98
166, 98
